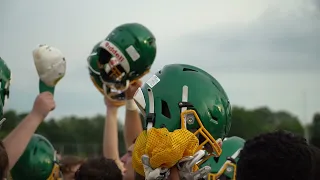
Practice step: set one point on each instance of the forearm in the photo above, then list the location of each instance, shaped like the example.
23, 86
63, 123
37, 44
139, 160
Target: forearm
110, 137
17, 140
132, 126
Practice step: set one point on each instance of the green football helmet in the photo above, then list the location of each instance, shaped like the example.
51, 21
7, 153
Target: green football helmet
38, 162
224, 167
5, 81
123, 57
184, 96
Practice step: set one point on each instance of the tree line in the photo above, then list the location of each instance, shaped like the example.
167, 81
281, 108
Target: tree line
83, 135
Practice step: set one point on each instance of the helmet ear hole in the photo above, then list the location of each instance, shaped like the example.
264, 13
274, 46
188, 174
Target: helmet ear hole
216, 159
165, 109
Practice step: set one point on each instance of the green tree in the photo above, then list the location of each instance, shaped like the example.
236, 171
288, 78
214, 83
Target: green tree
84, 135
315, 131
286, 121
72, 135
249, 123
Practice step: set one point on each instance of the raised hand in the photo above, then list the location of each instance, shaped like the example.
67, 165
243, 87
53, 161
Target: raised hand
185, 167
154, 174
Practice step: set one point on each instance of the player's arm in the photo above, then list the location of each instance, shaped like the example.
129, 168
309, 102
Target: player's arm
17, 140
132, 124
110, 135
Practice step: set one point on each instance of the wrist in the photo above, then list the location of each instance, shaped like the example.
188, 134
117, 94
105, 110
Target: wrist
131, 105
112, 109
36, 117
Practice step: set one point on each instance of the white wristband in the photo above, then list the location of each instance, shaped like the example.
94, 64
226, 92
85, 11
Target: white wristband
131, 105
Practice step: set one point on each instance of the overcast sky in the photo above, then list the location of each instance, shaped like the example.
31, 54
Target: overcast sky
264, 52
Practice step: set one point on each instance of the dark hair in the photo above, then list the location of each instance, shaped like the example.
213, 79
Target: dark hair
67, 162
4, 161
99, 168
316, 161
279, 155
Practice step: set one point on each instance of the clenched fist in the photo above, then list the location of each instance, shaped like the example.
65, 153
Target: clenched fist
132, 89
43, 104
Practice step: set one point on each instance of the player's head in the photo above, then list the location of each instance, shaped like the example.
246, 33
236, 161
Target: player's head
316, 161
224, 167
4, 162
123, 57
99, 169
38, 161
185, 96
127, 161
69, 166
278, 155
5, 78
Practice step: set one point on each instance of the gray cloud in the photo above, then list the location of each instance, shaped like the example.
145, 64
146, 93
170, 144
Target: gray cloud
317, 3
271, 61
271, 43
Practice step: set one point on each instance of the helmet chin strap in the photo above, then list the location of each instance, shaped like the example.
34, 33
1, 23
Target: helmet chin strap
184, 99
55, 156
150, 121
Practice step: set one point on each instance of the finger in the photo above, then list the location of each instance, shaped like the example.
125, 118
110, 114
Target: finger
45, 93
50, 97
202, 172
183, 161
155, 174
136, 84
145, 160
139, 83
187, 158
146, 164
197, 157
53, 106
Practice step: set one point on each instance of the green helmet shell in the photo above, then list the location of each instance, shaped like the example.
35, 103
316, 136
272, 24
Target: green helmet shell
163, 93
5, 79
37, 162
124, 56
230, 155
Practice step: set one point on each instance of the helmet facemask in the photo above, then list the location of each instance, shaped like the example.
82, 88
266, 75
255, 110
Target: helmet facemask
228, 169
4, 96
